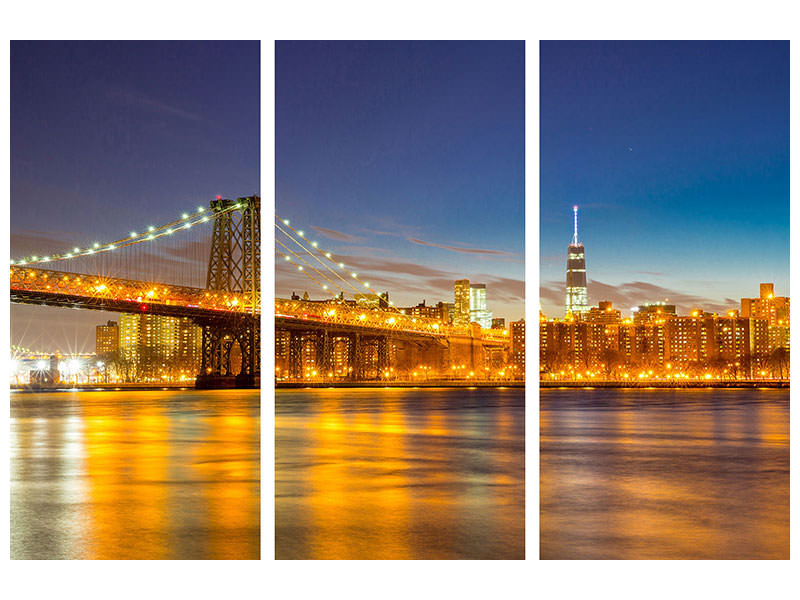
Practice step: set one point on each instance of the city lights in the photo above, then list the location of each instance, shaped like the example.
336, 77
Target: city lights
661, 345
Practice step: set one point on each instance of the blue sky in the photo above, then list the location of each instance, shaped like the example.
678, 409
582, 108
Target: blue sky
406, 159
677, 154
112, 136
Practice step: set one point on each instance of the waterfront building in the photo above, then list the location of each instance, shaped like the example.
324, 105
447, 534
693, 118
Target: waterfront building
341, 357
604, 312
686, 339
729, 345
152, 347
653, 312
775, 309
422, 310
518, 346
107, 338
577, 300
778, 337
282, 337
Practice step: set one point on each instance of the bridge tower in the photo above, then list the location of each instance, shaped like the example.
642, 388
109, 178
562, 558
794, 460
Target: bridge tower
234, 265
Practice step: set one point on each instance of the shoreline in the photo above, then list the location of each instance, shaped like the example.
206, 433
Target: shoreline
742, 384
399, 384
101, 387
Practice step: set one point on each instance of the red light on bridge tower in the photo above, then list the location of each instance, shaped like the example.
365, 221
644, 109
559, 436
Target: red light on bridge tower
143, 307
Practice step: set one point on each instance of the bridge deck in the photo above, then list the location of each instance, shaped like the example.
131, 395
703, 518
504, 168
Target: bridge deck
72, 290
348, 318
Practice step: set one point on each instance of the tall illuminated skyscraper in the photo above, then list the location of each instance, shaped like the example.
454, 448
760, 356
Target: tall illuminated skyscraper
478, 313
461, 314
577, 299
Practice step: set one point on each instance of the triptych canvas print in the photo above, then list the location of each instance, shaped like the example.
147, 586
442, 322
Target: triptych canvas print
389, 355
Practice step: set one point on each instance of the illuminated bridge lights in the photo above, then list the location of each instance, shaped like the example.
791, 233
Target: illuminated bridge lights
346, 314
124, 290
184, 222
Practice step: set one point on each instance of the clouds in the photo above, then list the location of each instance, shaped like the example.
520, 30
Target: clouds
388, 265
336, 235
35, 242
459, 249
138, 100
408, 283
633, 293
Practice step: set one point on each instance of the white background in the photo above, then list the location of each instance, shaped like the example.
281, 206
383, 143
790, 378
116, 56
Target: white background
411, 19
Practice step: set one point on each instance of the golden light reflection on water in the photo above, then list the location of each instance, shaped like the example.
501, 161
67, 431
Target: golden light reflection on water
399, 474
664, 474
129, 506
142, 475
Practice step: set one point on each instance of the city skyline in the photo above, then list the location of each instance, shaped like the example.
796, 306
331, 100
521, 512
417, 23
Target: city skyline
135, 133
406, 161
657, 342
677, 155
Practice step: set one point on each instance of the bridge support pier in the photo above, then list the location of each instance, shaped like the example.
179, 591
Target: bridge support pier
383, 355
295, 354
324, 353
234, 265
356, 357
219, 340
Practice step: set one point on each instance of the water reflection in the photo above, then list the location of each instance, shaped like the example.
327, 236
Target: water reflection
399, 474
135, 475
684, 474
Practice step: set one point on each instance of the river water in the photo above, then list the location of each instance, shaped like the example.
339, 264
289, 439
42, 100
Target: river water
664, 474
135, 475
400, 474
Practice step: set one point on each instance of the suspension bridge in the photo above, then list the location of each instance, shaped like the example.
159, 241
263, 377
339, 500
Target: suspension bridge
205, 265
357, 334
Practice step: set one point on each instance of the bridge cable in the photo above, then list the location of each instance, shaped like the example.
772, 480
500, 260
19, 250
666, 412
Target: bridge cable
319, 261
310, 266
324, 287
91, 250
327, 255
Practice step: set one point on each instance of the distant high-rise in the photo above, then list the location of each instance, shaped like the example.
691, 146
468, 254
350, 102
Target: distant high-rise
461, 314
478, 312
577, 300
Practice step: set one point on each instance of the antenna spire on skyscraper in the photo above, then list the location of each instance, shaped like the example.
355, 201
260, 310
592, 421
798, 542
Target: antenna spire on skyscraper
577, 300
575, 219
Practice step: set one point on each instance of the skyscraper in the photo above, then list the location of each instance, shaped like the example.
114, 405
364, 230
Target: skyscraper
478, 312
461, 314
577, 300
